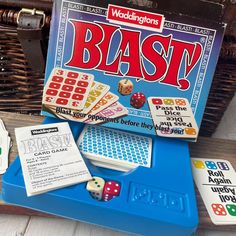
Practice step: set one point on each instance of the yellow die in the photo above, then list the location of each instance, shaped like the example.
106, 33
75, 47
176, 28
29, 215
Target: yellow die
168, 101
199, 164
125, 87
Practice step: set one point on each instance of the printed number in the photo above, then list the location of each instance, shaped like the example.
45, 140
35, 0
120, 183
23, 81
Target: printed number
49, 99
59, 72
85, 77
118, 109
75, 104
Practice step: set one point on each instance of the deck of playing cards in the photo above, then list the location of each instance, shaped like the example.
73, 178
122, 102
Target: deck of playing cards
49, 158
114, 149
5, 145
76, 96
216, 182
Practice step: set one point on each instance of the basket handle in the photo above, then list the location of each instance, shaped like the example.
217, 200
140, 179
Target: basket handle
42, 5
30, 35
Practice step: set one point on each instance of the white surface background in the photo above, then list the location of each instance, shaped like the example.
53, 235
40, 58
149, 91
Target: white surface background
11, 225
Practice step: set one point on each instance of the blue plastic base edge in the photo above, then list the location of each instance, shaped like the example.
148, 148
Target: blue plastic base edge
156, 201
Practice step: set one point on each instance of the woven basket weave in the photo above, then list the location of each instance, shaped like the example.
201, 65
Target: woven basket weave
21, 89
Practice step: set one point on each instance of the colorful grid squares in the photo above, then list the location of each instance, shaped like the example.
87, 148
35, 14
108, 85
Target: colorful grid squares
67, 89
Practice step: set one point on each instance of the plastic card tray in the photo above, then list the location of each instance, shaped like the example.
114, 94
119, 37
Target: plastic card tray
153, 201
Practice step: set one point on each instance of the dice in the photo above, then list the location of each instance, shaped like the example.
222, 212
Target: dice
223, 165
190, 131
95, 187
199, 164
180, 102
169, 102
111, 190
231, 209
137, 100
125, 87
211, 165
219, 209
157, 101
101, 190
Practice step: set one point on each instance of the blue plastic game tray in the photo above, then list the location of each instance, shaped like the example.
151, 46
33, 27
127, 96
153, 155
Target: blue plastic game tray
153, 201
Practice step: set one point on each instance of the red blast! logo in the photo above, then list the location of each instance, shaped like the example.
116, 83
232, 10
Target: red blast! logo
95, 40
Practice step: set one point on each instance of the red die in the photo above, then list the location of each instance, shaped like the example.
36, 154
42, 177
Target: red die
137, 100
111, 190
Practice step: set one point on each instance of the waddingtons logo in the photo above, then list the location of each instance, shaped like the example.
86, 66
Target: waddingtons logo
44, 131
134, 17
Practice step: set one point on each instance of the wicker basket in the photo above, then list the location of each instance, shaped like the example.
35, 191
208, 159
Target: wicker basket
21, 88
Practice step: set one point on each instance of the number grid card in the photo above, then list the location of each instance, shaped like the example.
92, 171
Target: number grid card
49, 158
67, 88
216, 182
114, 111
75, 96
114, 148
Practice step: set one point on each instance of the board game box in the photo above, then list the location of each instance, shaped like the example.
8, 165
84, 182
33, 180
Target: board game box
116, 65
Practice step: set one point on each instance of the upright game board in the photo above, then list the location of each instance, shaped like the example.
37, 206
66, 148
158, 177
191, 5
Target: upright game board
137, 53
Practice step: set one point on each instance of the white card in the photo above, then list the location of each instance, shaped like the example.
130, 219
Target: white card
49, 158
2, 125
114, 111
216, 182
104, 103
5, 145
112, 166
173, 117
69, 89
4, 151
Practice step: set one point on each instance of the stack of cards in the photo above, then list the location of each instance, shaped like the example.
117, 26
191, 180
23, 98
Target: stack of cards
49, 158
5, 145
77, 96
216, 182
173, 117
115, 149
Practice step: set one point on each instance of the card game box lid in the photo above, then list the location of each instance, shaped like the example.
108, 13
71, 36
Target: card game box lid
106, 59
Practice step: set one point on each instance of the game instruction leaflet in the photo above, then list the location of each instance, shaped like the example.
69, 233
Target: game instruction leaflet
132, 55
49, 158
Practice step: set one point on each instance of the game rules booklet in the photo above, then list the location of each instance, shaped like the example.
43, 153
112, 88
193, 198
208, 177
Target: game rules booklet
49, 158
141, 69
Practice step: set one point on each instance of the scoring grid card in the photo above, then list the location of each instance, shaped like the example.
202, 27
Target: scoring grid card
67, 89
114, 111
97, 92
